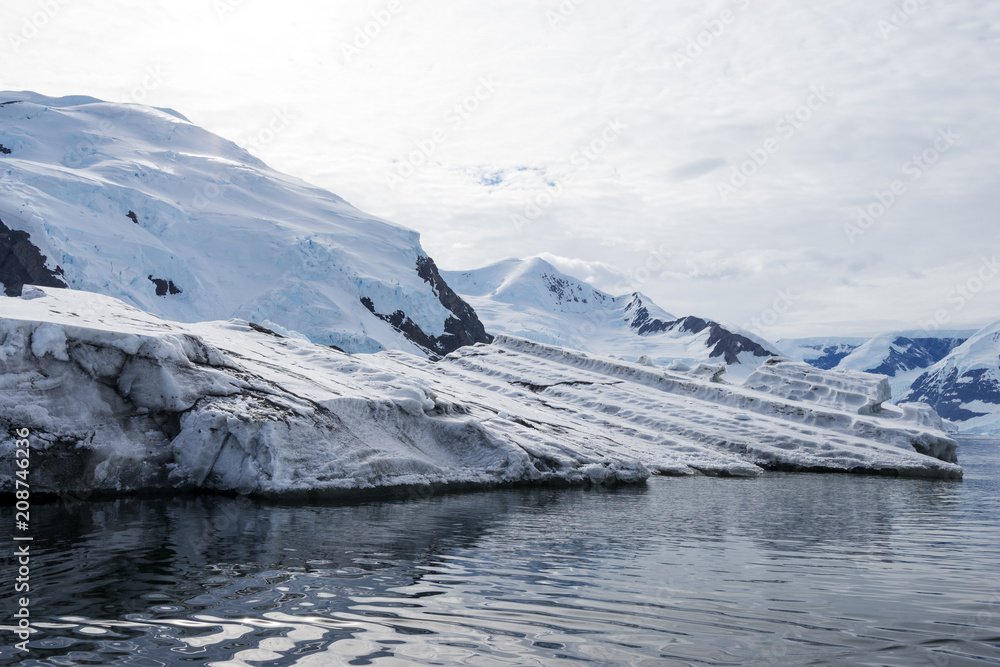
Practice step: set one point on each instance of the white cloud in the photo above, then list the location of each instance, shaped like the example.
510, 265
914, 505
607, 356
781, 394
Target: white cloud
655, 186
600, 274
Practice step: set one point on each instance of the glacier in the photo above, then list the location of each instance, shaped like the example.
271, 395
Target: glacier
140, 204
119, 400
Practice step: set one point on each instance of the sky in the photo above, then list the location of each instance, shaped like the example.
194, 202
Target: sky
800, 169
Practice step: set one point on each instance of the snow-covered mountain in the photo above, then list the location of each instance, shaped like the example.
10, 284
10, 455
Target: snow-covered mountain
902, 355
116, 400
140, 204
964, 386
823, 352
532, 299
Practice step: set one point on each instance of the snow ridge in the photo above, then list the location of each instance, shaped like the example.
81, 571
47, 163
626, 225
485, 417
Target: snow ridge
532, 299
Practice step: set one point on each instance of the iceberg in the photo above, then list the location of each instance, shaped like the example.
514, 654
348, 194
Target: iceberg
118, 400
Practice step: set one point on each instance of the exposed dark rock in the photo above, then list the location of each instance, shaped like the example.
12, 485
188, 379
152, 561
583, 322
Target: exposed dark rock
728, 344
831, 355
946, 392
4, 150
164, 287
909, 353
464, 328
724, 343
264, 330
402, 323
22, 263
133, 217
535, 388
564, 290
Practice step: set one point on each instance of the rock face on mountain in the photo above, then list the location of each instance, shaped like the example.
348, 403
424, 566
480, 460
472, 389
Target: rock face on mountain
964, 386
722, 342
140, 204
533, 299
22, 264
901, 352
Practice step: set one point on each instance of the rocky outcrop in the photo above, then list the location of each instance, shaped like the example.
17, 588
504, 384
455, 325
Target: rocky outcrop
908, 353
462, 329
723, 342
951, 391
164, 287
22, 263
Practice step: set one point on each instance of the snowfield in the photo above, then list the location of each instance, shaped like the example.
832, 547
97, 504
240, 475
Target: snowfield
140, 204
119, 400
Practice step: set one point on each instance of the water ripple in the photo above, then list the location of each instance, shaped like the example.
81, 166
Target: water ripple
782, 570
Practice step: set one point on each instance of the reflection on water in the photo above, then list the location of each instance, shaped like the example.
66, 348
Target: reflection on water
786, 569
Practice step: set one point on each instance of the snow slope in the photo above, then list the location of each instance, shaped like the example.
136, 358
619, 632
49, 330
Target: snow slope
120, 400
532, 299
140, 204
965, 385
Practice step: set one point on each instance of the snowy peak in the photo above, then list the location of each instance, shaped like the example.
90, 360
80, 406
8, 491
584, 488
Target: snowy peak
643, 315
531, 282
901, 355
965, 385
896, 353
725, 342
142, 205
532, 299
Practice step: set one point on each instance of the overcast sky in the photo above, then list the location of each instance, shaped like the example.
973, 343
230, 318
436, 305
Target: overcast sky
713, 155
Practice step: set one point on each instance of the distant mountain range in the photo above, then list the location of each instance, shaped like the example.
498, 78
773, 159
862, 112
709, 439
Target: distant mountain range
902, 355
532, 299
957, 372
965, 385
951, 370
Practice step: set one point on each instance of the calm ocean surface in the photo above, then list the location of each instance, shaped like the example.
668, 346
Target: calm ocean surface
785, 570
